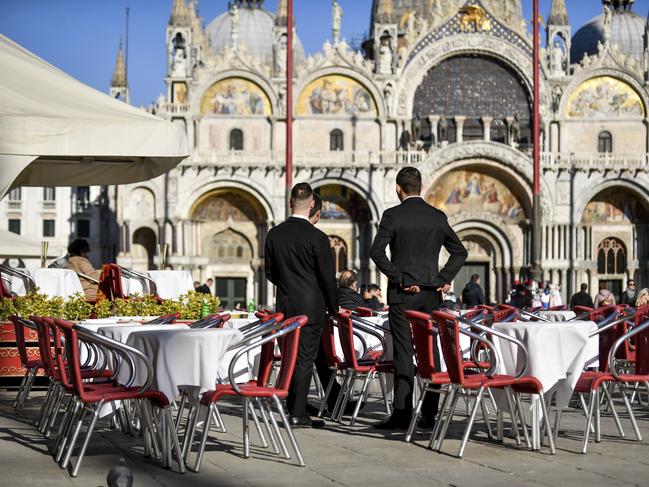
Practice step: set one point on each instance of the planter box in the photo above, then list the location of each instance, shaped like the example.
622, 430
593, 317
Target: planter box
11, 372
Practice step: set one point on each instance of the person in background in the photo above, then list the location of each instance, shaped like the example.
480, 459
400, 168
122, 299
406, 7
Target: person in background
604, 297
582, 298
206, 288
197, 284
643, 298
472, 294
628, 296
79, 251
373, 297
348, 295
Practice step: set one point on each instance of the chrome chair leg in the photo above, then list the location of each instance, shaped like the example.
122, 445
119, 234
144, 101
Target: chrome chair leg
203, 443
357, 409
384, 392
631, 415
84, 446
72, 443
175, 444
218, 419
181, 407
349, 394
521, 415
19, 394
289, 431
323, 402
440, 415
190, 430
41, 413
339, 399
469, 426
449, 419
546, 419
485, 415
278, 433
269, 430
255, 420
416, 413
512, 413
607, 394
65, 428
589, 420
246, 429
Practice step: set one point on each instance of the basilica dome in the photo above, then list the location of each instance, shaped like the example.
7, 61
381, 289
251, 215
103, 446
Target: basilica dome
255, 31
627, 31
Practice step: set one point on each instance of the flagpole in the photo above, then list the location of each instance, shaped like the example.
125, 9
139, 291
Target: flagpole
537, 271
289, 103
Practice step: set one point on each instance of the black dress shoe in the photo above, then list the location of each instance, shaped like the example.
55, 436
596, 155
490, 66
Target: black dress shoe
306, 422
426, 422
393, 423
313, 410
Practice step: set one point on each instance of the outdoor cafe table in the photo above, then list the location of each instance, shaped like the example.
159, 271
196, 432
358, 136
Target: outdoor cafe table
557, 354
51, 282
171, 284
183, 357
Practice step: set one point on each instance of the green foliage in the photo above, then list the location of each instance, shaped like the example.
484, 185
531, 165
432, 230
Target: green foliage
76, 308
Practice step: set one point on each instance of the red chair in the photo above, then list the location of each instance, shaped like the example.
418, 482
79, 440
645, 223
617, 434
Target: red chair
164, 320
462, 383
431, 380
31, 366
90, 399
290, 332
359, 369
365, 312
613, 337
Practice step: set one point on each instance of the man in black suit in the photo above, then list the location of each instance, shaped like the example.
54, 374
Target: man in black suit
299, 263
415, 232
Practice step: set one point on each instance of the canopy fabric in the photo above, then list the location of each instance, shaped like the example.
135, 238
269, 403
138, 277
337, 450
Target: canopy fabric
57, 131
12, 245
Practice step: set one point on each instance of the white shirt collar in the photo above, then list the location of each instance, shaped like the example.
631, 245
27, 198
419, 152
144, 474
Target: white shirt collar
301, 216
412, 196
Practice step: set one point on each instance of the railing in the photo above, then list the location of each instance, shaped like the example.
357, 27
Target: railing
353, 159
14, 205
48, 205
594, 161
174, 108
367, 159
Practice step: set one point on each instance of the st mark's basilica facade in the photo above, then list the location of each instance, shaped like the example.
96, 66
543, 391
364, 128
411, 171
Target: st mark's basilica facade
444, 85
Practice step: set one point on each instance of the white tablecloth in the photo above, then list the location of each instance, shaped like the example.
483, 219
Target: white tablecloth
558, 352
558, 315
57, 282
171, 284
132, 286
17, 286
184, 357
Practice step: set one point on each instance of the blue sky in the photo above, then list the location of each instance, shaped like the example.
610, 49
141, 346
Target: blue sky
81, 36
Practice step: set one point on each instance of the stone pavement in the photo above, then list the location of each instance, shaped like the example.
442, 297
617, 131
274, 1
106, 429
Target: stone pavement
338, 455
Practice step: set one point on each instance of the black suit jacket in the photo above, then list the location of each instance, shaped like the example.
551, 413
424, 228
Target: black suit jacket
299, 263
416, 233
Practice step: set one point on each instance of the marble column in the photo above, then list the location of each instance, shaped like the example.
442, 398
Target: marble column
459, 129
486, 128
434, 123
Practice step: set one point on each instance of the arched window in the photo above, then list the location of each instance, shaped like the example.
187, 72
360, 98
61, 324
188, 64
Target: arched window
339, 253
611, 257
336, 140
605, 142
236, 139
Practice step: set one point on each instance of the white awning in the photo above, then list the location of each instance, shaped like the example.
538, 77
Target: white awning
57, 131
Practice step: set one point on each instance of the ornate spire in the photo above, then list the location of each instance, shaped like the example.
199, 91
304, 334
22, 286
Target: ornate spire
282, 13
197, 27
558, 13
179, 14
384, 11
619, 5
119, 75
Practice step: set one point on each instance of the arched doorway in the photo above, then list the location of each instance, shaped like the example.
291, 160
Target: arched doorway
232, 227
143, 249
488, 207
614, 239
346, 219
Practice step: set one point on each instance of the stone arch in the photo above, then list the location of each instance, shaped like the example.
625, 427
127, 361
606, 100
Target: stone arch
357, 76
583, 198
372, 200
199, 91
228, 204
228, 245
579, 78
433, 53
257, 192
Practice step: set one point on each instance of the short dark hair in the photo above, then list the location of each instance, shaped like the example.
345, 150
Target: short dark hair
373, 287
209, 279
630, 281
78, 246
475, 277
409, 180
300, 193
602, 286
317, 205
347, 278
196, 283
584, 287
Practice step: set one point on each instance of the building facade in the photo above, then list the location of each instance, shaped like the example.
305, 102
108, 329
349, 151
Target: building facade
444, 85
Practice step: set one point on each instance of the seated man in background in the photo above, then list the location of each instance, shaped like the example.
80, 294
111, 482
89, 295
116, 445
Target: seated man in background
373, 297
79, 250
348, 295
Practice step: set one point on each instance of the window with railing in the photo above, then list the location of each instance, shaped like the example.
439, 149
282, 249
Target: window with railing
16, 194
49, 194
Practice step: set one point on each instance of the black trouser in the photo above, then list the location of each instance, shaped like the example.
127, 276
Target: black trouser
310, 337
404, 370
324, 374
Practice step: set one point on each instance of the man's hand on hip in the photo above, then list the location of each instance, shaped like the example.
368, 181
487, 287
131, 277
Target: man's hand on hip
412, 289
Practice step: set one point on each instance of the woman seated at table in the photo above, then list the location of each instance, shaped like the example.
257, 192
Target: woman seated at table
78, 252
643, 298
